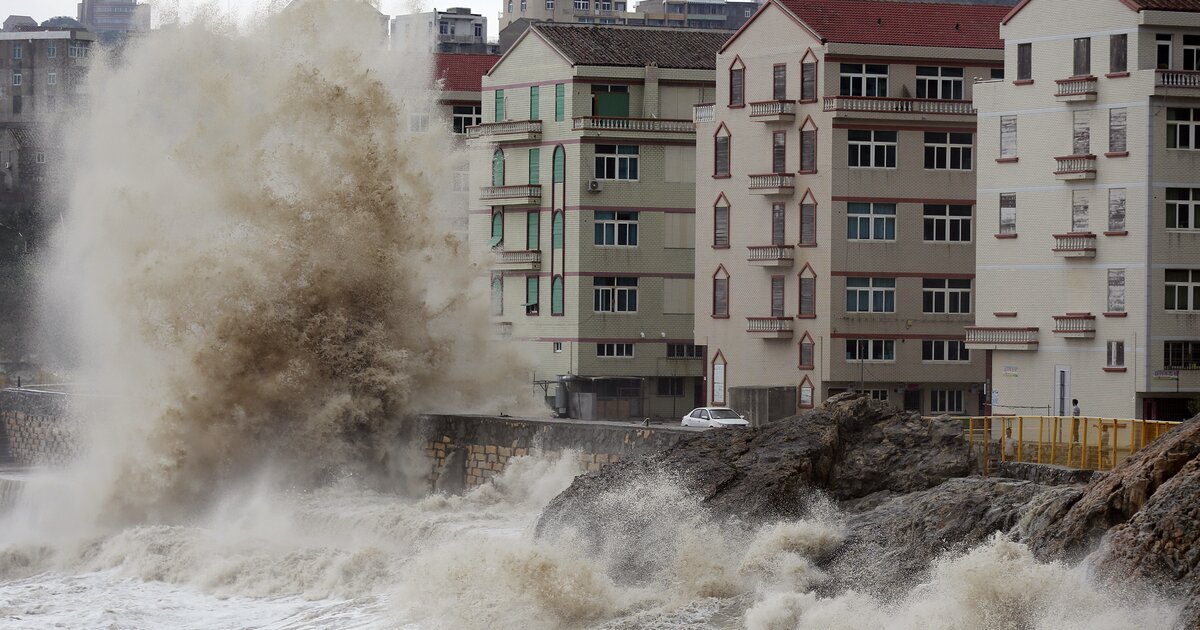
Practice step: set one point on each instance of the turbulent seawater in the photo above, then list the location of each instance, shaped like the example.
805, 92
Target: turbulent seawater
254, 286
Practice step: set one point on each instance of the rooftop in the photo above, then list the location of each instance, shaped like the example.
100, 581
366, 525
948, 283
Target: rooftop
900, 23
1136, 5
586, 45
462, 72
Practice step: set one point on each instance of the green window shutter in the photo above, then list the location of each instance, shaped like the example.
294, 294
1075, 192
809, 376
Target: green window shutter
497, 230
497, 296
499, 105
556, 296
535, 166
613, 104
560, 101
531, 232
531, 291
560, 165
498, 168
535, 97
557, 229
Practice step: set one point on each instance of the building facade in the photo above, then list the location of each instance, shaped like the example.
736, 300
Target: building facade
584, 168
454, 30
42, 72
835, 208
717, 14
1089, 256
459, 103
113, 20
568, 11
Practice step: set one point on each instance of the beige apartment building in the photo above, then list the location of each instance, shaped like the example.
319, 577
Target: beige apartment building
584, 169
568, 11
835, 209
1089, 198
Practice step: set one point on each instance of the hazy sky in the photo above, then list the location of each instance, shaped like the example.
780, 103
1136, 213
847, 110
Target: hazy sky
44, 9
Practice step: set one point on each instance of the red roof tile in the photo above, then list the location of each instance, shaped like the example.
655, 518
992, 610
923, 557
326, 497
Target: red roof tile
903, 23
1165, 5
462, 72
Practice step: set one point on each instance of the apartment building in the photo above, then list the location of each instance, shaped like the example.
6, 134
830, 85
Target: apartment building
459, 81
585, 169
455, 30
568, 11
835, 209
113, 20
1089, 176
42, 71
696, 13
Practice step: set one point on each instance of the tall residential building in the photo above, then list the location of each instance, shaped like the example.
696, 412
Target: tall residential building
696, 13
835, 207
455, 30
585, 170
1089, 197
569, 11
42, 72
113, 20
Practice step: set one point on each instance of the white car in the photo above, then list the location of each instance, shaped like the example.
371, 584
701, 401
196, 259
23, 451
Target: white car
716, 417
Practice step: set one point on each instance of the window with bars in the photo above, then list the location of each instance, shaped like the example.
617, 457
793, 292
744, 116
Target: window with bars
1118, 53
721, 156
947, 223
614, 350
870, 295
945, 351
1008, 213
946, 401
1117, 130
871, 221
935, 82
946, 296
870, 350
1183, 290
1116, 354
1080, 209
1024, 62
1181, 355
871, 149
737, 87
948, 151
1116, 291
614, 295
1081, 134
808, 224
808, 296
808, 150
721, 295
779, 152
685, 351
779, 82
1183, 128
721, 226
1082, 56
616, 229
1008, 137
778, 223
617, 161
670, 386
1183, 209
1116, 209
808, 81
864, 79
777, 295
806, 352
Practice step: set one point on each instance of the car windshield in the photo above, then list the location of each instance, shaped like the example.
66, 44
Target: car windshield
724, 414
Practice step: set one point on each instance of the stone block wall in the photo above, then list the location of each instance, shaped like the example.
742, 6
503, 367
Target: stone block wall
36, 429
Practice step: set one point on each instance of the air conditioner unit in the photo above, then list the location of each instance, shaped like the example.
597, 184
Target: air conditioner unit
595, 186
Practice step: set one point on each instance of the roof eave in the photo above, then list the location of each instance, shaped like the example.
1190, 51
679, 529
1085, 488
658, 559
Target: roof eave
786, 11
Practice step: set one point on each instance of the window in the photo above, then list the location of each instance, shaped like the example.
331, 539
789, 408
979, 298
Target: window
671, 386
947, 223
718, 379
721, 156
871, 221
777, 296
1118, 53
16, 50
806, 352
808, 81
805, 399
808, 223
940, 83
535, 166
1116, 354
558, 345
16, 80
614, 295
532, 231
1163, 49
1191, 52
870, 349
16, 104
808, 297
1116, 130
52, 78
479, 27
1008, 213
616, 229
778, 223
610, 100
944, 351
531, 295
499, 105
1181, 355
1080, 203
418, 122
1183, 208
779, 152
497, 294
616, 350
582, 5
808, 150
497, 230
39, 157
945, 296
1024, 62
560, 101
1083, 56
523, 5
737, 87
1081, 134
445, 28
684, 351
77, 50
559, 169
556, 296
535, 105
871, 149
498, 168
721, 226
556, 230
466, 116
616, 161
779, 82
721, 294
997, 74
1116, 291
950, 151
870, 295
946, 401
864, 79
1183, 289
1008, 137
1116, 209
51, 50
1183, 128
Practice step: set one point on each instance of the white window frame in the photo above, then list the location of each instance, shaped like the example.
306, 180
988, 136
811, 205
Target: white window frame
614, 294
610, 165
1182, 291
39, 157
944, 351
52, 78
948, 151
462, 120
557, 347
1118, 128
1186, 205
1191, 53
941, 217
1177, 127
16, 50
954, 295
16, 79
880, 151
614, 351
51, 50
1115, 354
937, 80
945, 401
879, 293
877, 350
857, 79
876, 394
877, 219
624, 228
1188, 352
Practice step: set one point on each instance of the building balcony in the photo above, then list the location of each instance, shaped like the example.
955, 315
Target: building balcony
1001, 338
1075, 325
769, 327
704, 113
775, 184
507, 131
773, 111
633, 125
1074, 167
1177, 79
518, 260
897, 105
527, 195
1075, 245
1076, 89
770, 255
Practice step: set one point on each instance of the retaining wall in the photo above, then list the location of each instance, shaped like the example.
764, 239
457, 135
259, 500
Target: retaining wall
36, 428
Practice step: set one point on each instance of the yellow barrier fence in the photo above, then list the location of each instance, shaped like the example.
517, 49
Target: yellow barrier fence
1082, 442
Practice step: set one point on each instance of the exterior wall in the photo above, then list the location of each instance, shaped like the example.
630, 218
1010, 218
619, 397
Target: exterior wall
1024, 283
566, 11
40, 100
36, 429
424, 31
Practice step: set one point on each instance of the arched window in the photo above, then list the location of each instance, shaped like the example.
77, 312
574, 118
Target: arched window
497, 294
498, 168
556, 296
497, 229
718, 378
557, 230
560, 165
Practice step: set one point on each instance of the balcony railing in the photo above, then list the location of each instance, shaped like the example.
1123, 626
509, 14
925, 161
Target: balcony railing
776, 327
500, 193
770, 255
1075, 244
897, 105
615, 123
1075, 167
508, 128
531, 259
1077, 88
773, 183
1075, 325
985, 337
773, 109
1177, 78
704, 112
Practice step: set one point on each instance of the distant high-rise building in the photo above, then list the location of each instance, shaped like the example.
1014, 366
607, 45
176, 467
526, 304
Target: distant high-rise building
455, 30
113, 20
717, 14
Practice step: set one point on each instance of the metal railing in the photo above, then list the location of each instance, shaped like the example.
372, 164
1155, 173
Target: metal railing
617, 123
1076, 86
1177, 78
1075, 324
768, 252
1075, 164
897, 105
772, 108
505, 128
510, 192
1079, 442
1075, 242
984, 334
768, 324
773, 180
704, 112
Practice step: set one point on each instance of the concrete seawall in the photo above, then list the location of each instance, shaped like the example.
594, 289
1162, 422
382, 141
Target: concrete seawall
36, 428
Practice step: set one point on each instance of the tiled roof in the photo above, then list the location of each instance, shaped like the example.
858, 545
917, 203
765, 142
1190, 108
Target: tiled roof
1164, 5
462, 72
25, 136
903, 23
678, 48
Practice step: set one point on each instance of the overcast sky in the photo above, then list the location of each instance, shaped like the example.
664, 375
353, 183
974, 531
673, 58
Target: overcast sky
45, 9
